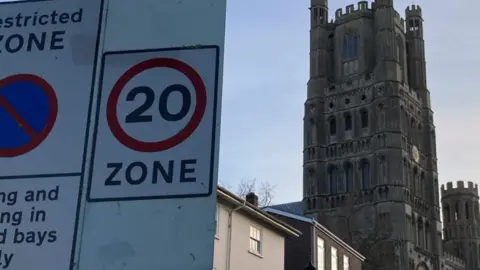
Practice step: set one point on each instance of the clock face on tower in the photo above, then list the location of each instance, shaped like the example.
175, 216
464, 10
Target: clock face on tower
415, 154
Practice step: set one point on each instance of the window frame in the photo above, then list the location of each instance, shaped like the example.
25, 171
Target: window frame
346, 262
258, 241
322, 241
334, 259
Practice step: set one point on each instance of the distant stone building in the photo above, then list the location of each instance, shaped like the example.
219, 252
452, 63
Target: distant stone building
316, 243
461, 222
370, 162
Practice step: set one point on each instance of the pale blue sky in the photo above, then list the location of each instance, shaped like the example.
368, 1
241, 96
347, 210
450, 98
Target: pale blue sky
266, 71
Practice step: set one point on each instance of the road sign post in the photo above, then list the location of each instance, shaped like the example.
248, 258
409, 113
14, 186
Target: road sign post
48, 52
152, 169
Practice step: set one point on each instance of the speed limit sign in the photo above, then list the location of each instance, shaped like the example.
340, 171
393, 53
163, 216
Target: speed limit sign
156, 125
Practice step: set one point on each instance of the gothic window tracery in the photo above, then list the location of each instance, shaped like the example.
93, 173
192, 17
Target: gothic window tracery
407, 175
467, 210
382, 118
311, 132
412, 130
420, 235
348, 170
427, 235
348, 121
364, 118
365, 174
415, 181
350, 46
332, 171
382, 169
446, 212
333, 126
457, 211
350, 52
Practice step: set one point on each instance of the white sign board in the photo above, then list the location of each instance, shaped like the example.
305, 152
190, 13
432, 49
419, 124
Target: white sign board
48, 52
38, 222
155, 127
153, 161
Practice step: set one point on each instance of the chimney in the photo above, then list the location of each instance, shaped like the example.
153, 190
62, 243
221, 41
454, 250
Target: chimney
252, 198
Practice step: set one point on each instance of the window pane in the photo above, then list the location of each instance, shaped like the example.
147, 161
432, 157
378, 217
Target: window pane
320, 254
255, 239
334, 258
346, 262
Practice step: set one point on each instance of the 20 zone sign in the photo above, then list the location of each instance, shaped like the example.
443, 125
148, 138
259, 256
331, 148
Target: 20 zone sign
150, 96
139, 116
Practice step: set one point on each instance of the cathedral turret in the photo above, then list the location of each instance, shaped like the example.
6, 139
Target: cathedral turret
386, 47
320, 46
461, 219
415, 48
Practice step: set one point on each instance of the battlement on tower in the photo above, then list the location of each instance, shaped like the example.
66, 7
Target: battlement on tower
461, 188
362, 8
413, 11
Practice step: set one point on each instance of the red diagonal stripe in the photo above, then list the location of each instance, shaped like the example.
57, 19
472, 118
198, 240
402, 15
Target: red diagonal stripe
17, 117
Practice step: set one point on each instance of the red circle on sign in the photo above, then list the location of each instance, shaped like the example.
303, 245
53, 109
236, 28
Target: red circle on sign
200, 106
35, 139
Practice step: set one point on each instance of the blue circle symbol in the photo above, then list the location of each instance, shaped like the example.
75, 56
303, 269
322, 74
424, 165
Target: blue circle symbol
28, 110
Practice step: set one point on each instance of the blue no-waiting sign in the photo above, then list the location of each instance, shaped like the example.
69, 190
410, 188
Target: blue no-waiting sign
28, 110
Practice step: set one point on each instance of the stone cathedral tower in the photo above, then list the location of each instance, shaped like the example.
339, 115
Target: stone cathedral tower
370, 168
461, 222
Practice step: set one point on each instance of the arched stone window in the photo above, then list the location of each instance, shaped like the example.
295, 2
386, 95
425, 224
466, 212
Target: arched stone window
333, 125
427, 235
332, 173
420, 233
348, 121
446, 213
467, 210
364, 118
348, 170
365, 173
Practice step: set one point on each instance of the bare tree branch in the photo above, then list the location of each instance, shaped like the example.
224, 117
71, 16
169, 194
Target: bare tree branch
265, 191
266, 194
245, 187
373, 240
